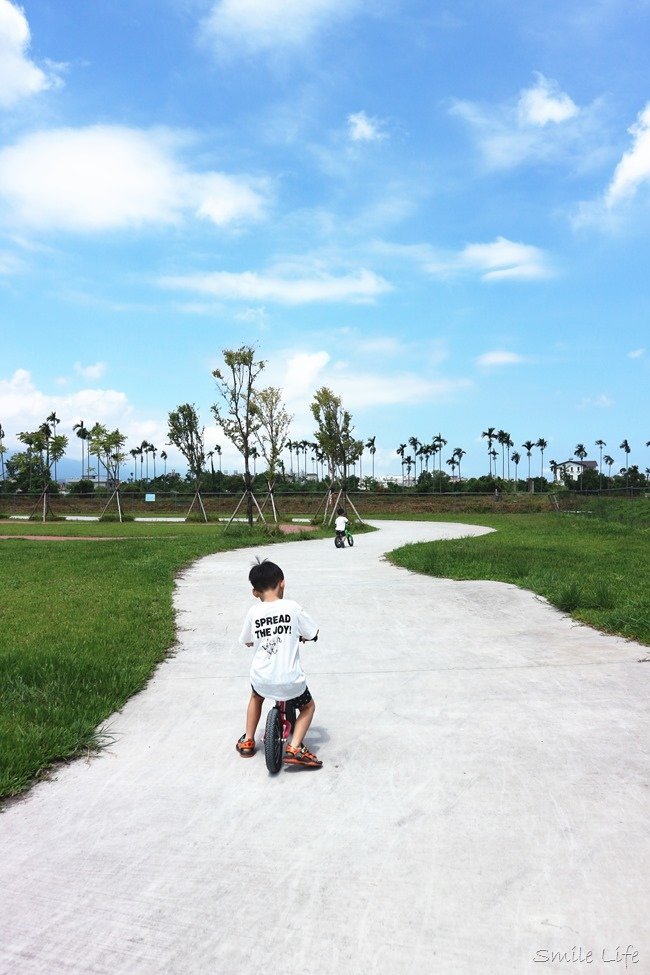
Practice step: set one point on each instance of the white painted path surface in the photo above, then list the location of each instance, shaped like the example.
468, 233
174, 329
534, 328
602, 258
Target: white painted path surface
484, 797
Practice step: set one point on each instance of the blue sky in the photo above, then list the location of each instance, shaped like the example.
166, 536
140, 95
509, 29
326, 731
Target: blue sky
438, 210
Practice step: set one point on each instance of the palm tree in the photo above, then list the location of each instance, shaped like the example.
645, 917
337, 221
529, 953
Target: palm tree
135, 451
82, 433
163, 457
553, 468
415, 446
440, 442
400, 453
529, 449
580, 453
502, 439
516, 458
153, 451
408, 461
370, 444
609, 461
509, 444
542, 444
490, 435
452, 463
600, 444
2, 451
217, 447
459, 453
54, 420
626, 447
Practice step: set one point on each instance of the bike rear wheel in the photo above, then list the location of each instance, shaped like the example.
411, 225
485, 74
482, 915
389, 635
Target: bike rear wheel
273, 741
338, 541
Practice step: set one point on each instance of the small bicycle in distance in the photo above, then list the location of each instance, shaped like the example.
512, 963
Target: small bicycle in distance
341, 537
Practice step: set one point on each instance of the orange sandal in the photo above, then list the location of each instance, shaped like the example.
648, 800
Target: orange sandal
300, 756
245, 746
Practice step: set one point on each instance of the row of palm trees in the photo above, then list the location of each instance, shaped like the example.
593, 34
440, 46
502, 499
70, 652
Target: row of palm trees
426, 451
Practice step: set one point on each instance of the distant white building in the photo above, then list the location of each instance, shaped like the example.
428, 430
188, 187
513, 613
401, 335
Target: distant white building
574, 468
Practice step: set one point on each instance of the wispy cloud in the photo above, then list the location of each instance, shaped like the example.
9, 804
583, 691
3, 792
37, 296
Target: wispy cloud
600, 401
253, 26
109, 177
536, 125
499, 357
357, 287
497, 260
634, 166
636, 354
632, 172
363, 128
20, 77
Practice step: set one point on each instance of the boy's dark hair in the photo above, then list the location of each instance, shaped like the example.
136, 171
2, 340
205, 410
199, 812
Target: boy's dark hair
265, 575
340, 511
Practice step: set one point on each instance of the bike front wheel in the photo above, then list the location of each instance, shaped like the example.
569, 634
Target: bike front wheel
350, 540
273, 741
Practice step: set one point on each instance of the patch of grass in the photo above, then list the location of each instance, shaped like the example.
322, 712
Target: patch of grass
594, 568
84, 625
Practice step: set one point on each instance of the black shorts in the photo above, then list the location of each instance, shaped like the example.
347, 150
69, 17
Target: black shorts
297, 702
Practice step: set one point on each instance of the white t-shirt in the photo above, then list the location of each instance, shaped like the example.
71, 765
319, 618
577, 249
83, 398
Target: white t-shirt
340, 523
274, 628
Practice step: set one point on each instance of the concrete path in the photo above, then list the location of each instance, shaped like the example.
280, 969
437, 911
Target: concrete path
484, 798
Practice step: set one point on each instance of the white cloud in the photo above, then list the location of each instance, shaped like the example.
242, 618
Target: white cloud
601, 401
300, 374
634, 167
499, 357
541, 124
19, 77
636, 354
359, 287
95, 371
545, 103
362, 128
107, 177
267, 25
23, 406
499, 260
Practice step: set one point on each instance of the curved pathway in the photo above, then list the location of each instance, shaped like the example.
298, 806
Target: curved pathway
483, 801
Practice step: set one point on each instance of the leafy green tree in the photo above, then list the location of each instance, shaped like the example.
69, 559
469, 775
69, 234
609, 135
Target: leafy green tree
236, 412
107, 446
334, 434
187, 435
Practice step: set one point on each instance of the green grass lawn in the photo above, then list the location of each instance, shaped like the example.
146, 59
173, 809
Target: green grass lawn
84, 624
592, 565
